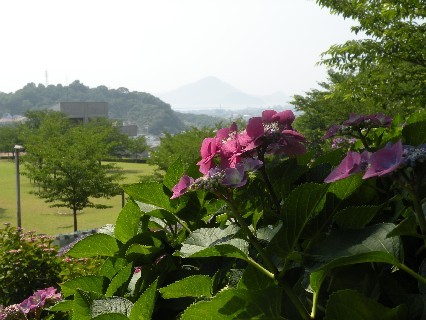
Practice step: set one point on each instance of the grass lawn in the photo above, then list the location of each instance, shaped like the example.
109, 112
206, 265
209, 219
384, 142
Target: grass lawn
37, 215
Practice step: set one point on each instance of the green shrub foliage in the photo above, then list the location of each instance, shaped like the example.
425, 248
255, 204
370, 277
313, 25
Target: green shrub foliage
29, 263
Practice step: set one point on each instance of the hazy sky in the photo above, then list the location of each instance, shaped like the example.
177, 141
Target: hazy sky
258, 46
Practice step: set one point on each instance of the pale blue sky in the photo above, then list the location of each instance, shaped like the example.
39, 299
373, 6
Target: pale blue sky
258, 46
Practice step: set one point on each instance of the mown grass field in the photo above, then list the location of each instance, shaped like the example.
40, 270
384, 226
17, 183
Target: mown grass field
37, 215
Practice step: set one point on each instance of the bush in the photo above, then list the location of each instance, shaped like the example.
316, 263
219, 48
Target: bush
29, 263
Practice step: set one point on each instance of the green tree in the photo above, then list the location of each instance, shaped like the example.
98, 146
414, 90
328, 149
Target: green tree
9, 137
65, 161
137, 146
388, 67
185, 145
116, 143
386, 72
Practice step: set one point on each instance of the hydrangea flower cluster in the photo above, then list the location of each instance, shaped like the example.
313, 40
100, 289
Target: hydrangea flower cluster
356, 123
31, 307
380, 163
231, 154
342, 142
375, 164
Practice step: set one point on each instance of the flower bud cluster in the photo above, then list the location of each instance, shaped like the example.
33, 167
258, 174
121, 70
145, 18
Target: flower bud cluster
12, 312
210, 182
342, 142
413, 156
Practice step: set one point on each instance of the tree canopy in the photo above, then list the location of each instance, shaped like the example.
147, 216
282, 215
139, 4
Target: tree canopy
388, 67
384, 72
149, 112
65, 161
185, 145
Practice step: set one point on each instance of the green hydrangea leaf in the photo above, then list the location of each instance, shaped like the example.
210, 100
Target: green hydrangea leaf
142, 253
94, 245
415, 133
346, 247
144, 306
253, 279
111, 316
302, 204
194, 286
96, 284
238, 304
111, 266
408, 227
127, 222
63, 306
174, 173
214, 242
122, 278
82, 304
351, 305
342, 189
356, 217
106, 306
149, 192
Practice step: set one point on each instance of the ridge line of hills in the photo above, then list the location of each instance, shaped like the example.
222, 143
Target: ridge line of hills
151, 114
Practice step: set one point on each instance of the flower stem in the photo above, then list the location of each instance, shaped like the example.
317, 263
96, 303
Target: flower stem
295, 300
314, 305
261, 268
363, 140
411, 272
275, 200
252, 238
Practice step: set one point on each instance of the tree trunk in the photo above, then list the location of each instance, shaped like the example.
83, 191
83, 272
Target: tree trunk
75, 218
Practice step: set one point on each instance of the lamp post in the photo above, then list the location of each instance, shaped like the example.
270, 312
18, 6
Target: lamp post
18, 185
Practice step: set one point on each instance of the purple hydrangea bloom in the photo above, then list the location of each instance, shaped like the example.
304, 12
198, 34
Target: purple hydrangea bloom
182, 186
332, 131
385, 160
355, 120
358, 122
235, 177
251, 164
39, 299
379, 120
351, 164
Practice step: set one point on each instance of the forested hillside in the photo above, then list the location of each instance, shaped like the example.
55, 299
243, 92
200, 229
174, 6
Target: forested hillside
144, 109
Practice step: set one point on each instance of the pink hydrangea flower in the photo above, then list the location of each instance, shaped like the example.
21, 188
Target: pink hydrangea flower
285, 119
208, 151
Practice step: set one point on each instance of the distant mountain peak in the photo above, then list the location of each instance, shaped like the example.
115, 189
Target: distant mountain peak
210, 93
